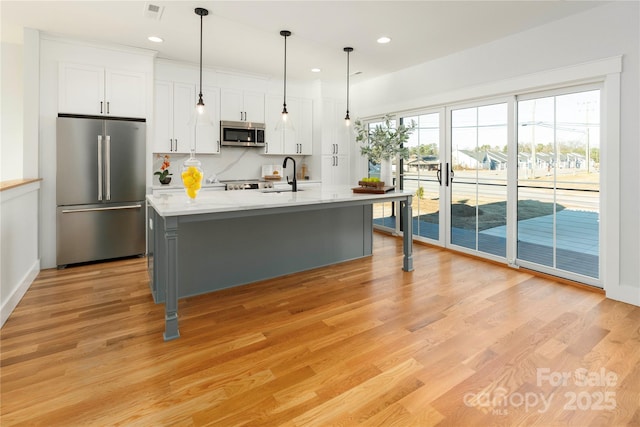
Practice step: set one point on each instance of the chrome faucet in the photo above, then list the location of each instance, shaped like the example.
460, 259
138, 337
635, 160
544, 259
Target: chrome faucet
294, 183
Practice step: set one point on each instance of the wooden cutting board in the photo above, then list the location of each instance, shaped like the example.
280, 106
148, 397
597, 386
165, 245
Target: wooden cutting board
373, 190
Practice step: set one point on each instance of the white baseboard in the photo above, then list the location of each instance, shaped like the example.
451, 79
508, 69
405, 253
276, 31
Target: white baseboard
624, 293
12, 302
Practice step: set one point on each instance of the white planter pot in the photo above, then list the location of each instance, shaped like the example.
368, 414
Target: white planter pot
386, 173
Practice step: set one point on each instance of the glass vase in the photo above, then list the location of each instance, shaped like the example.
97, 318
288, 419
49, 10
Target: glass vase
192, 176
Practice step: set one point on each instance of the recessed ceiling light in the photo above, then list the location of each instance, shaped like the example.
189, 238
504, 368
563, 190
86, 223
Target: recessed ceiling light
384, 40
315, 70
155, 39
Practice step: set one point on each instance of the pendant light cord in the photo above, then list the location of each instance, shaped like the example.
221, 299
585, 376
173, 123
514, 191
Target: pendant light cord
348, 83
348, 50
200, 57
284, 101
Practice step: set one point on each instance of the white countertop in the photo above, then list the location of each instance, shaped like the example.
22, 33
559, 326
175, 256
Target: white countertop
177, 203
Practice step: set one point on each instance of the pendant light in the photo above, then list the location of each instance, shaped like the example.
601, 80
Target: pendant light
285, 124
191, 172
200, 105
347, 119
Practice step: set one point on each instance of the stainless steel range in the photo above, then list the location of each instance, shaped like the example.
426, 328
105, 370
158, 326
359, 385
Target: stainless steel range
247, 184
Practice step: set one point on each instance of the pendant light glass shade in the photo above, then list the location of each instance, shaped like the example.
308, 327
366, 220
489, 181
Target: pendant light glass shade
285, 123
347, 119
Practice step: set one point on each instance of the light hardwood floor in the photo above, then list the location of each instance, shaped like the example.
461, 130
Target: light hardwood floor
457, 342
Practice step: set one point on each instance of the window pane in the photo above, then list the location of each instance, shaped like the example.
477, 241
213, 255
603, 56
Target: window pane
479, 187
420, 174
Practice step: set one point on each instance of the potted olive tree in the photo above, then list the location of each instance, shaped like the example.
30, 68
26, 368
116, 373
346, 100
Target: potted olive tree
382, 143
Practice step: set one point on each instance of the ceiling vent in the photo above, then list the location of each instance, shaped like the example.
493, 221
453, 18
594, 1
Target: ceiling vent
153, 11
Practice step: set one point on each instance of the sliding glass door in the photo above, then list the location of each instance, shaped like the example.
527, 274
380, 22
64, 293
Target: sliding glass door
421, 173
477, 178
559, 183
515, 180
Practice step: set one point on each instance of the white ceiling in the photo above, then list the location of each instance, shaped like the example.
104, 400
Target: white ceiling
244, 35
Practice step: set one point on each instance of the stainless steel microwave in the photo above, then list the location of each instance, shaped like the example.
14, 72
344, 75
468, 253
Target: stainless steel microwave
242, 134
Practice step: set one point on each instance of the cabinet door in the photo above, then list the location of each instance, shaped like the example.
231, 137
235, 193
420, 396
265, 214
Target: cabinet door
81, 89
341, 170
273, 137
329, 114
163, 118
254, 107
335, 170
208, 131
125, 94
184, 107
231, 105
305, 127
290, 136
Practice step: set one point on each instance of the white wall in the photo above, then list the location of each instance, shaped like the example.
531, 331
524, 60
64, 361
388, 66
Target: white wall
603, 32
19, 263
11, 148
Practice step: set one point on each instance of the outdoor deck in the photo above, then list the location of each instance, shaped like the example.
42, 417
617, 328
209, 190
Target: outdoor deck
577, 239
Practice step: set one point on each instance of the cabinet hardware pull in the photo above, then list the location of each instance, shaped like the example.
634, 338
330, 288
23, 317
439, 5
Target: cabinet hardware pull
100, 107
107, 107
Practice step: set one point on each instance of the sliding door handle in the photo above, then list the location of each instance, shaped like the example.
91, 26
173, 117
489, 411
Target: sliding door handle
439, 174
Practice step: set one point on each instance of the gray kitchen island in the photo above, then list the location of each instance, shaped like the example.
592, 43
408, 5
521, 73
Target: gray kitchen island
231, 238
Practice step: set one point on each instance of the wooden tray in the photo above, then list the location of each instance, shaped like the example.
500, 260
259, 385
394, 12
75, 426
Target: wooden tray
373, 190
378, 184
273, 177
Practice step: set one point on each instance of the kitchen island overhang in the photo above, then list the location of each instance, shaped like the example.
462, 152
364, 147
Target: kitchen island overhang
228, 239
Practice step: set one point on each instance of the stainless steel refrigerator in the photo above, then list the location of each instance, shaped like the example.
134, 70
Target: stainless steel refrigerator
100, 188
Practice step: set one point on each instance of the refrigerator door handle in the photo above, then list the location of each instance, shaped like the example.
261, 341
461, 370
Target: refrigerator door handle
108, 165
99, 167
114, 208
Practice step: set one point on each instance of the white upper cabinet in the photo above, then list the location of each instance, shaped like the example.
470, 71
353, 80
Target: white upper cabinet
92, 90
125, 93
208, 130
174, 105
334, 144
176, 129
296, 141
238, 105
